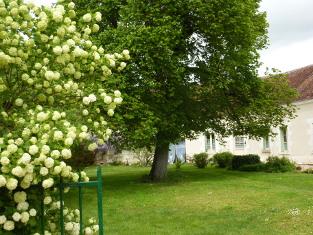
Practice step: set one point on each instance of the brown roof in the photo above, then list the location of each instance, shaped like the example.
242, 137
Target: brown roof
302, 80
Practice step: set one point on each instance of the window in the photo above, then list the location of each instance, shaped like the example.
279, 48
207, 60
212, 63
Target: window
266, 143
210, 142
240, 142
284, 139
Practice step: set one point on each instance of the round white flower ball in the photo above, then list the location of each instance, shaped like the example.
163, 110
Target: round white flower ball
56, 115
24, 217
8, 225
95, 227
98, 16
49, 162
87, 17
68, 141
88, 231
85, 112
57, 170
33, 149
44, 171
92, 98
66, 153
48, 183
4, 161
12, 148
71, 5
47, 200
125, 52
57, 50
83, 135
18, 171
45, 149
29, 168
110, 112
55, 154
49, 75
3, 181
84, 128
19, 141
22, 206
65, 48
86, 100
25, 185
32, 212
19, 102
11, 184
95, 28
66, 171
75, 177
2, 219
20, 197
118, 100
58, 135
107, 99
33, 140
117, 93
92, 147
41, 117
16, 216
5, 153
28, 178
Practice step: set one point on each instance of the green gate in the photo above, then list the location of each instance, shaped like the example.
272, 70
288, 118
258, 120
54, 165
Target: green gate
79, 185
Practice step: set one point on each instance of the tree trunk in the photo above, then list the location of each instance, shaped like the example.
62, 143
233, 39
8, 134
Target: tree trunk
159, 166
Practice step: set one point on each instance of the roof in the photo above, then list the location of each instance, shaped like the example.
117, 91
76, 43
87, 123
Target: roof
302, 80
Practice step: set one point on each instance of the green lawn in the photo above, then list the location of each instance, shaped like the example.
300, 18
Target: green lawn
202, 201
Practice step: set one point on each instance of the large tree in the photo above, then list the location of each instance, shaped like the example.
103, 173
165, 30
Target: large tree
194, 68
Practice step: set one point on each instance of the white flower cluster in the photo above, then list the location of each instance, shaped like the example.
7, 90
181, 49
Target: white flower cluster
56, 99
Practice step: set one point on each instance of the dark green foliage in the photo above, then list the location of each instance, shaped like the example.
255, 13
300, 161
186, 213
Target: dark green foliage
200, 160
308, 171
298, 168
178, 163
223, 159
81, 157
253, 167
116, 162
241, 160
279, 164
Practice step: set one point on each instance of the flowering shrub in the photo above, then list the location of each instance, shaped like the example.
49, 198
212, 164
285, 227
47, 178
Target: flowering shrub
51, 99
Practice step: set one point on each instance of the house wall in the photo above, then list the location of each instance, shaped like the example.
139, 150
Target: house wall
299, 136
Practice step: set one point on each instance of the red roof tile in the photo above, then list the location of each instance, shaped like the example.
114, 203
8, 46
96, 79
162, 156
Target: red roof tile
302, 80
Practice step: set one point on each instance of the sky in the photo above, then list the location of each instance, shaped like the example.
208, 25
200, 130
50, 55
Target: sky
290, 34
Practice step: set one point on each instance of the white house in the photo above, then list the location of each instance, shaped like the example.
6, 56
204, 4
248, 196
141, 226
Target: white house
294, 140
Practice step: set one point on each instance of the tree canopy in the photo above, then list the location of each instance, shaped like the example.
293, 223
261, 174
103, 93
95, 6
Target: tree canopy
194, 67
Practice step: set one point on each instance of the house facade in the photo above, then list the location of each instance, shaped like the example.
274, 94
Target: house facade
293, 140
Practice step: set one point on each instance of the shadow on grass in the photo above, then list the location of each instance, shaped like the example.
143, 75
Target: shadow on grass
129, 179
135, 180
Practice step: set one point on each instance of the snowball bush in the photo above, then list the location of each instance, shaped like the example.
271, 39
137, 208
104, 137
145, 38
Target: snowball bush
52, 98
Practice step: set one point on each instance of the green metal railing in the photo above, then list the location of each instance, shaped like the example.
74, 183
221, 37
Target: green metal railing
79, 185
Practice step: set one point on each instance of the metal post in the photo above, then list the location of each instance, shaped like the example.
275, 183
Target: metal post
80, 202
100, 209
61, 187
42, 211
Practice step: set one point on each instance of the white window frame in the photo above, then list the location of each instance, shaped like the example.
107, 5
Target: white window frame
283, 131
240, 142
266, 143
210, 142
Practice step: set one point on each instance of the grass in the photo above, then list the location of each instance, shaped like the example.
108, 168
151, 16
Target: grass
202, 201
